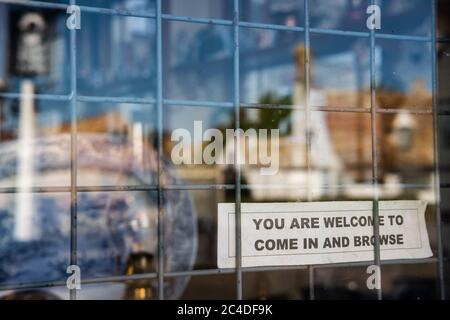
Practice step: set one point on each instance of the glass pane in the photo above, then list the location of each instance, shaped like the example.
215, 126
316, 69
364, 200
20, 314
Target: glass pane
275, 154
346, 283
216, 9
340, 71
117, 235
281, 12
34, 46
191, 239
212, 287
404, 80
116, 56
35, 142
413, 281
35, 235
347, 15
406, 17
271, 67
405, 150
134, 5
341, 150
198, 61
410, 282
192, 143
115, 144
276, 285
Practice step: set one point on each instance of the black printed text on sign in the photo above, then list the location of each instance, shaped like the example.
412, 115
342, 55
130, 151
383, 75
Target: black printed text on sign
277, 234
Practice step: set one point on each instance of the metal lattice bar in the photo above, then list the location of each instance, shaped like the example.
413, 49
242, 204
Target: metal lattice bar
308, 132
159, 112
59, 189
204, 272
434, 80
49, 97
73, 151
373, 122
213, 104
237, 168
130, 100
268, 26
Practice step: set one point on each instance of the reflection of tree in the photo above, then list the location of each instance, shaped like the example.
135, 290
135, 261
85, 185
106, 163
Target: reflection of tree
270, 118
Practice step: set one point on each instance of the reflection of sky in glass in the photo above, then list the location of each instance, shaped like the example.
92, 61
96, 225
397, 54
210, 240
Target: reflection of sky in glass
116, 54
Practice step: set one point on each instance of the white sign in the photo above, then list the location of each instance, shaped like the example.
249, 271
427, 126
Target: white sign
280, 234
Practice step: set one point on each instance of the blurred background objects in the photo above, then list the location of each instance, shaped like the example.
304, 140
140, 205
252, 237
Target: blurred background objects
324, 154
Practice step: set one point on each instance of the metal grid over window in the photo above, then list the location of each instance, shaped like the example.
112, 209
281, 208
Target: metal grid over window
236, 105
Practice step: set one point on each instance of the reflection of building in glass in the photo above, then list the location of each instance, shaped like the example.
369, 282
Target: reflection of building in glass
340, 79
115, 227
